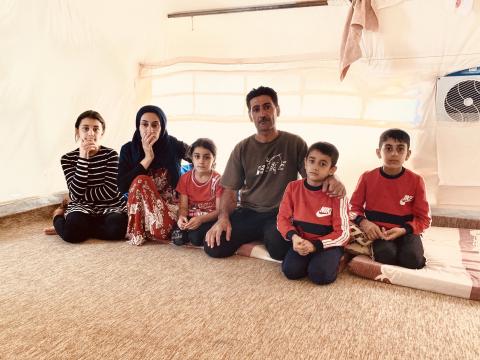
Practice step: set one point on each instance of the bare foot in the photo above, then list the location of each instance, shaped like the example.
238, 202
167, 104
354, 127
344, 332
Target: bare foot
59, 211
49, 231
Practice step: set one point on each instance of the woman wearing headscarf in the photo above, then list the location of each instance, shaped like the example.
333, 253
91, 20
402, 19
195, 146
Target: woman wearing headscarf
149, 169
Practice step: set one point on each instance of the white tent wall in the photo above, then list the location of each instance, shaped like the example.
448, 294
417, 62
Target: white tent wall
417, 42
60, 58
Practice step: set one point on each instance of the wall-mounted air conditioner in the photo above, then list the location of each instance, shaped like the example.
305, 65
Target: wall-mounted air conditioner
458, 97
458, 129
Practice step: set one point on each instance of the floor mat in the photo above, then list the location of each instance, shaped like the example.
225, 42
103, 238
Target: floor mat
453, 265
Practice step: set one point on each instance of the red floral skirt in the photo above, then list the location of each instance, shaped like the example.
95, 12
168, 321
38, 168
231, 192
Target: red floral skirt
150, 216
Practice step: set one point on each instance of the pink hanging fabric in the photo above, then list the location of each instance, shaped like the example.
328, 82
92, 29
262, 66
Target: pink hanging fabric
360, 16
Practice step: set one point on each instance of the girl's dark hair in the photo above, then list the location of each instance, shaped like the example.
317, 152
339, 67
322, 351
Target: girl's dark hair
205, 143
91, 114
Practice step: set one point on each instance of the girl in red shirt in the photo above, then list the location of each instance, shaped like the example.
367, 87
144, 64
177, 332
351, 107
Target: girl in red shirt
199, 192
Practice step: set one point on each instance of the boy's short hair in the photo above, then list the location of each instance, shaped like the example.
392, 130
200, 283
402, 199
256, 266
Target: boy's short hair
325, 148
395, 134
262, 90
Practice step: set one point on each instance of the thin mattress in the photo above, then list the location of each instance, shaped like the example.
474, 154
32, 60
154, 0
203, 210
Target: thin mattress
452, 268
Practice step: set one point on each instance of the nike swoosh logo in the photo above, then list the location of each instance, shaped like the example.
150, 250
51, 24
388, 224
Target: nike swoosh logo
319, 214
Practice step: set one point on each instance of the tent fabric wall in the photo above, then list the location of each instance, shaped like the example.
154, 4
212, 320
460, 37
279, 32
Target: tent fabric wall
62, 57
313, 104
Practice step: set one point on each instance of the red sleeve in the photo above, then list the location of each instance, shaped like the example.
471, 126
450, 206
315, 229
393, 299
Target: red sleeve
218, 188
341, 228
285, 214
421, 210
182, 184
357, 202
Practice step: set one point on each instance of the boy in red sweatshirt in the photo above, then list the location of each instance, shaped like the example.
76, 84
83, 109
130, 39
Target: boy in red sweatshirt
316, 224
390, 205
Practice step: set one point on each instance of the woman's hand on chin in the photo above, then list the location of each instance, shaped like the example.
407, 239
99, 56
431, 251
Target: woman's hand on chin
88, 148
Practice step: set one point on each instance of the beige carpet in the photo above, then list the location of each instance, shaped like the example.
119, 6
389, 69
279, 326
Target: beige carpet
110, 300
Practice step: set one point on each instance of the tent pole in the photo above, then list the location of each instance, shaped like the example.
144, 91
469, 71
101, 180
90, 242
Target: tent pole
290, 5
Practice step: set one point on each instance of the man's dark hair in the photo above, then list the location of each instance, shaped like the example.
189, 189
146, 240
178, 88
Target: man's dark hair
262, 90
395, 134
325, 148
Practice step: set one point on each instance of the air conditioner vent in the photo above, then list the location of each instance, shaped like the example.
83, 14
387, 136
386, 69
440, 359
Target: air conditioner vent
462, 102
458, 99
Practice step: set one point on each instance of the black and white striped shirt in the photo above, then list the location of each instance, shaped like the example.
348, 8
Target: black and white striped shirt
92, 183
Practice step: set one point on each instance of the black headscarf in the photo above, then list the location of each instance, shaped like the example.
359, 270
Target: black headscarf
164, 149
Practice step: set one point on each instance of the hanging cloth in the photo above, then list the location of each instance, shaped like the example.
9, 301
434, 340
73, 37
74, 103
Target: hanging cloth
360, 16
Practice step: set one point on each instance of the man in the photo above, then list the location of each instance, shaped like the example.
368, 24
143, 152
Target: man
259, 168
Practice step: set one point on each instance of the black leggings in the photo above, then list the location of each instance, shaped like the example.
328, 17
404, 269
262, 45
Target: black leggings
77, 226
248, 226
405, 251
197, 236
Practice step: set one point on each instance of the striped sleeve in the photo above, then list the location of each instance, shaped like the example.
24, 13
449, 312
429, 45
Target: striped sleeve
341, 229
91, 180
75, 170
104, 167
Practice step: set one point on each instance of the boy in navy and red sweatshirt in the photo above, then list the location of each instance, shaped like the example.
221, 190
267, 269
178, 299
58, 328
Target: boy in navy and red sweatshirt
390, 205
316, 224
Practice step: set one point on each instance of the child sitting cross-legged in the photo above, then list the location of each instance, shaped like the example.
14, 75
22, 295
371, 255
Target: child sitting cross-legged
390, 205
200, 192
316, 224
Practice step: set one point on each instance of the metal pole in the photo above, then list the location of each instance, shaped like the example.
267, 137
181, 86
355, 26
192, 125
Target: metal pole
290, 5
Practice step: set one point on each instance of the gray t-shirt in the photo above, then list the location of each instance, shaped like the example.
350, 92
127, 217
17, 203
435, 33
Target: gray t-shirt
261, 171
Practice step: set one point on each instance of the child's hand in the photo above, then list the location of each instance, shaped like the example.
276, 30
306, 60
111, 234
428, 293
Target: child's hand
297, 243
301, 246
182, 221
372, 230
308, 248
193, 223
393, 233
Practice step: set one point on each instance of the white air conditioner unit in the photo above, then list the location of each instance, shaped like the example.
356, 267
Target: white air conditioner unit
458, 98
458, 129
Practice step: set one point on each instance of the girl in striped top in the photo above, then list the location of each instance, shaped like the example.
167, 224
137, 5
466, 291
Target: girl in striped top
96, 208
